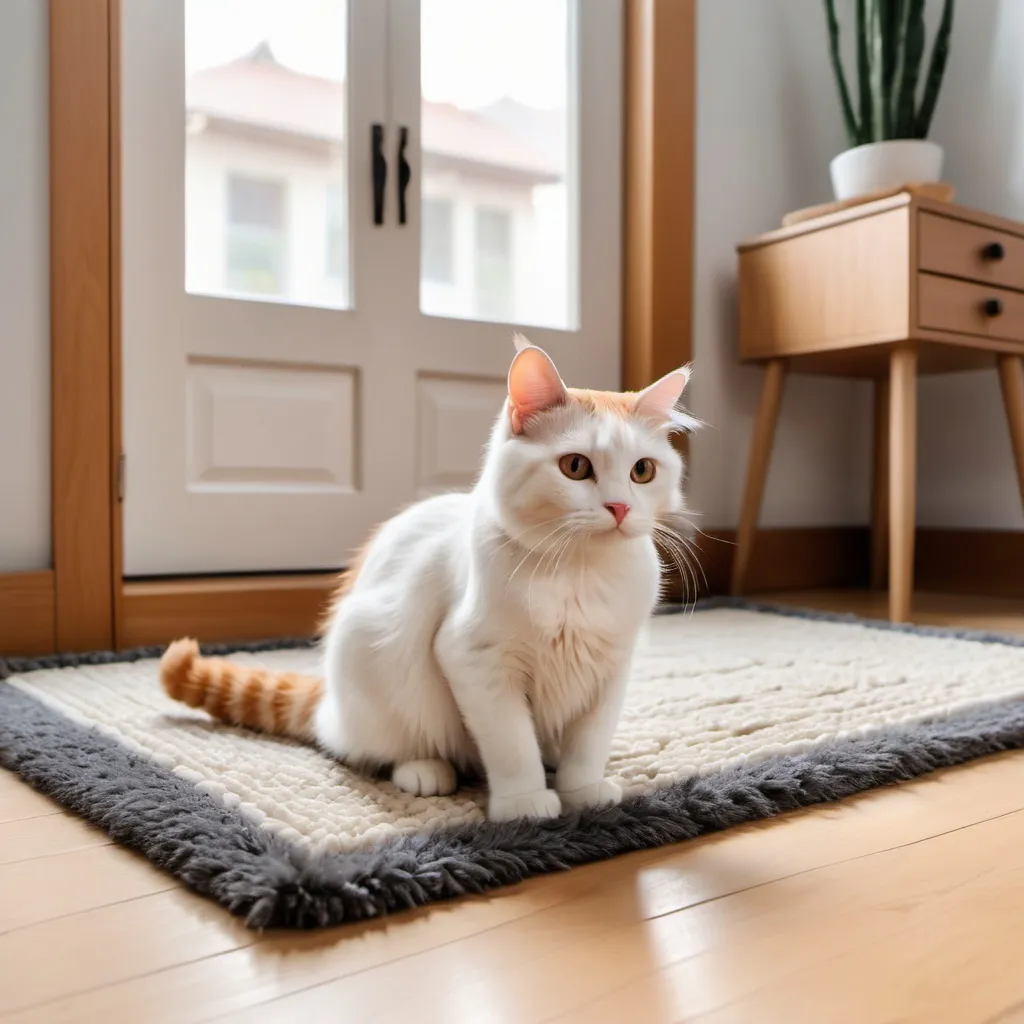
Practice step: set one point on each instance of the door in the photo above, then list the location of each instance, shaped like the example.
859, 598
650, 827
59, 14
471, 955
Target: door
303, 353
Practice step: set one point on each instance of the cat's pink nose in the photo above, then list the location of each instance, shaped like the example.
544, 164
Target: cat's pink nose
618, 509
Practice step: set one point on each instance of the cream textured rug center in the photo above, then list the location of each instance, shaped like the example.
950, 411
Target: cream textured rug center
733, 713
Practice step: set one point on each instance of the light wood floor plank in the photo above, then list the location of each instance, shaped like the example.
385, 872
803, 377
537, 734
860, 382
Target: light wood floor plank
887, 937
47, 835
18, 801
84, 952
68, 883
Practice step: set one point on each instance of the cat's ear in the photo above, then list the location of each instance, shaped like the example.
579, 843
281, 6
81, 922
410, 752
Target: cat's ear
657, 402
533, 386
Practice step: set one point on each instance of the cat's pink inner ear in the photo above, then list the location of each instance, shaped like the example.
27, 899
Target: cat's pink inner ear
657, 402
533, 386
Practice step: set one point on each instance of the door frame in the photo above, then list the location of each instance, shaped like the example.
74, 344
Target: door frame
83, 603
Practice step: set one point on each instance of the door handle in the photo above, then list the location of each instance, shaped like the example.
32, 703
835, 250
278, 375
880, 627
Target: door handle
379, 171
404, 172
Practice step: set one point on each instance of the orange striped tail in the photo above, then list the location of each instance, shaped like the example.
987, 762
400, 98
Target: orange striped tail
278, 703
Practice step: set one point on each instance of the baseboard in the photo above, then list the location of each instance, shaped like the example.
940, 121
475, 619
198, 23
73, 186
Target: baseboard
253, 608
989, 563
983, 562
224, 609
791, 558
27, 613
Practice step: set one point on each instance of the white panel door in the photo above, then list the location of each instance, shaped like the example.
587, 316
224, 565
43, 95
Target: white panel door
305, 353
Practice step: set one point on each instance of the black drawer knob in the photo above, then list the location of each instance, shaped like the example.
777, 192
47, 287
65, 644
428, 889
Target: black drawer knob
993, 307
993, 251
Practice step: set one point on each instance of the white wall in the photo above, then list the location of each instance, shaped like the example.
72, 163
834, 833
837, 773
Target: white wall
966, 468
768, 122
24, 289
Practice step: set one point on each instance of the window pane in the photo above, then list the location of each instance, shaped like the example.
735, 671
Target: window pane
496, 158
492, 264
438, 240
337, 234
266, 193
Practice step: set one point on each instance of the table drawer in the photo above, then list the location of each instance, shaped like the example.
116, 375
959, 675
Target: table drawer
962, 249
960, 307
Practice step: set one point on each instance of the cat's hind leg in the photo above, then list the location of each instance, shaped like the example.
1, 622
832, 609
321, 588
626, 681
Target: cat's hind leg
427, 777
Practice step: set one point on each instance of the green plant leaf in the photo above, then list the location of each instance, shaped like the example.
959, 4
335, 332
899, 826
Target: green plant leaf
910, 51
850, 120
867, 113
936, 69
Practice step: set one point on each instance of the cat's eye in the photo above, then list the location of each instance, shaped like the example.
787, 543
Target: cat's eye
642, 471
576, 467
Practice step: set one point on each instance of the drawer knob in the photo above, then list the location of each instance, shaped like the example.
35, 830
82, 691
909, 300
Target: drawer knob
993, 251
993, 307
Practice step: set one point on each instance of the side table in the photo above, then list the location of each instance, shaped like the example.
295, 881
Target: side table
884, 291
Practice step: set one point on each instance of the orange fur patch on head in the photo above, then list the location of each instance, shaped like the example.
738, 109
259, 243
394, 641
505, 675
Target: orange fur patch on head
615, 403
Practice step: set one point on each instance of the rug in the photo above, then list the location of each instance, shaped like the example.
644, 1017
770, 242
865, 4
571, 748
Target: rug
735, 712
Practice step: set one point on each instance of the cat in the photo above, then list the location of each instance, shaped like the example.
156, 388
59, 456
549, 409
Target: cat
491, 629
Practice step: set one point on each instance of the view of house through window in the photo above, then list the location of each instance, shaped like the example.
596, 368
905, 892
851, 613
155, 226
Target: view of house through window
437, 240
498, 235
265, 177
493, 267
256, 247
337, 235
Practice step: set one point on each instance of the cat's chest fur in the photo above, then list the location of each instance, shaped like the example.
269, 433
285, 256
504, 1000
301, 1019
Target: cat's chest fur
573, 640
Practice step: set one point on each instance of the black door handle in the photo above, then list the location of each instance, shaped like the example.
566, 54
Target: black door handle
404, 172
379, 171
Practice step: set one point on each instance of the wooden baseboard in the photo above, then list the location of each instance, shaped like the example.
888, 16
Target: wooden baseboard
988, 563
984, 562
225, 609
27, 613
796, 558
262, 607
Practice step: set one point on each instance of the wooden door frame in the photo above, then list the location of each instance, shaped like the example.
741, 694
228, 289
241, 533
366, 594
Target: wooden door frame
71, 605
83, 603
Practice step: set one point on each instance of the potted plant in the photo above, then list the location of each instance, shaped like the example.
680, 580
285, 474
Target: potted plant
888, 132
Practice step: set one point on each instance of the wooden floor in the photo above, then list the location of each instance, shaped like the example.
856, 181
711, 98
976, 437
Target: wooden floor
901, 905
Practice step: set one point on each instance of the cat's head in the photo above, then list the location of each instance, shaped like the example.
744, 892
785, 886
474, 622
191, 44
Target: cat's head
596, 463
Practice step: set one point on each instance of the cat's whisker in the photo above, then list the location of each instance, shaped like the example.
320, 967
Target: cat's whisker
688, 546
563, 524
561, 546
680, 556
517, 540
508, 582
695, 555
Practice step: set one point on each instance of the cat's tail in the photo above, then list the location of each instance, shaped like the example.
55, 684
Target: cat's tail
279, 703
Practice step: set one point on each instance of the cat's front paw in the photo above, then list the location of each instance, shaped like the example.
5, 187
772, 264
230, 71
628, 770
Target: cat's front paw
544, 803
601, 794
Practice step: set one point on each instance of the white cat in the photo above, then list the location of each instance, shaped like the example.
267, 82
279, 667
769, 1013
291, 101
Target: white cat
491, 629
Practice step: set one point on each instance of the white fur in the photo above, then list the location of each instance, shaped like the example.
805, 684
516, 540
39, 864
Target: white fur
485, 628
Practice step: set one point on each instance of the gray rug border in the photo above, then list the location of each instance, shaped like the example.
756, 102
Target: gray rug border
274, 884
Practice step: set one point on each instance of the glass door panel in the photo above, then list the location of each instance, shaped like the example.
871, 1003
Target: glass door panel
266, 195
499, 184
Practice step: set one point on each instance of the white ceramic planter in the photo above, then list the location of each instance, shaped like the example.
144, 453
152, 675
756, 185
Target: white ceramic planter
881, 165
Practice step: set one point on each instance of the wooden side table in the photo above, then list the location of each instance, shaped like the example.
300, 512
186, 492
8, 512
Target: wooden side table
885, 291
